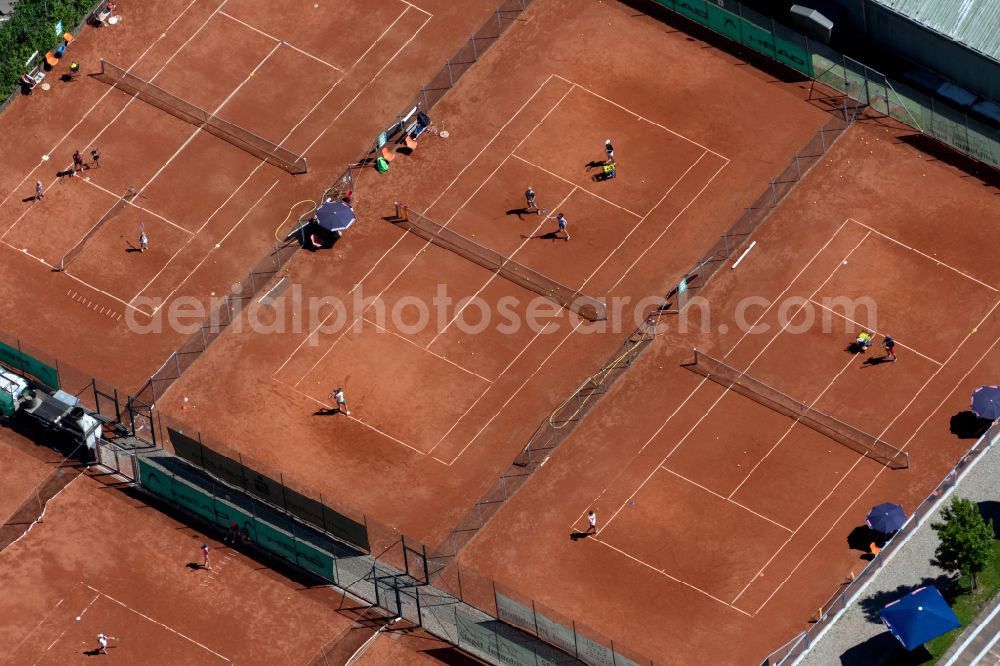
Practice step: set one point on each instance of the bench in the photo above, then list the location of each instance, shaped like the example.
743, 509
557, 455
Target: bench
103, 12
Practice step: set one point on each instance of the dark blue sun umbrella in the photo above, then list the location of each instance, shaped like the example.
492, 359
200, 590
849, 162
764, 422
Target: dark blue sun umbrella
986, 402
919, 617
886, 518
335, 216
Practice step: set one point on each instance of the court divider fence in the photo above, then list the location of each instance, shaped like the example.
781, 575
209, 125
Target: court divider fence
364, 556
852, 588
889, 97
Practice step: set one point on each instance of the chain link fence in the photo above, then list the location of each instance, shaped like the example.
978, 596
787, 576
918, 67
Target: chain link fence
923, 111
846, 595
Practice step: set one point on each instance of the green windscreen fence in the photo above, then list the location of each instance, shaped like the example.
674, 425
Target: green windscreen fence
932, 116
23, 364
748, 28
218, 511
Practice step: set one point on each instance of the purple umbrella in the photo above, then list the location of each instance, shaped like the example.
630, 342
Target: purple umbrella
886, 517
986, 402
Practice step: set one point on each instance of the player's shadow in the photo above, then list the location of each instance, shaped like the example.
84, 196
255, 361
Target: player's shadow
576, 536
62, 174
96, 652
521, 212
132, 248
596, 164
327, 411
856, 348
552, 235
195, 566
875, 360
30, 199
966, 425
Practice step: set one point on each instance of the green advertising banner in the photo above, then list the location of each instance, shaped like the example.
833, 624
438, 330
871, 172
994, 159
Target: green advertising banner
485, 639
760, 38
21, 363
221, 513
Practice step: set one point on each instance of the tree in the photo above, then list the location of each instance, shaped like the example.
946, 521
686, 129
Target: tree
965, 539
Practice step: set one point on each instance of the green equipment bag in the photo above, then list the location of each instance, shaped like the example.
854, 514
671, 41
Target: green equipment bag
381, 165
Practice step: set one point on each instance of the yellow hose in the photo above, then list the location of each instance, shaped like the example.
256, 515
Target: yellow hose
312, 207
593, 381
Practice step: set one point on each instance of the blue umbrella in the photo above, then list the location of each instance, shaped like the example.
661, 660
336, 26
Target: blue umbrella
335, 216
886, 518
986, 402
919, 616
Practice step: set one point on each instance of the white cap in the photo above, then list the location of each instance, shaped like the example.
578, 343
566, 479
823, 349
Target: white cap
607, 141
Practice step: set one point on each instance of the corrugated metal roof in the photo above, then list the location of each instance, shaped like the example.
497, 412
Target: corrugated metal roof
975, 23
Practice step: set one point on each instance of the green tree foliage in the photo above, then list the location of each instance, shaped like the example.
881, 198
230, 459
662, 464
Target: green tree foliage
32, 28
965, 539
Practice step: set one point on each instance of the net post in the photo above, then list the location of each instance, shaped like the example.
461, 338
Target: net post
472, 42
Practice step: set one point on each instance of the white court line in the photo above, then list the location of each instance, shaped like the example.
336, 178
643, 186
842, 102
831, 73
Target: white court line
647, 120
656, 240
410, 4
323, 355
214, 113
898, 343
86, 284
514, 393
461, 172
673, 578
281, 41
727, 499
469, 198
356, 420
134, 205
110, 89
569, 182
207, 254
692, 393
35, 628
788, 431
371, 80
882, 470
146, 617
63, 632
520, 247
263, 162
923, 254
708, 411
377, 40
411, 342
483, 394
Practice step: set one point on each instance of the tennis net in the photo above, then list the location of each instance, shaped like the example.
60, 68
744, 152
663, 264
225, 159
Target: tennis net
75, 251
856, 440
244, 139
586, 306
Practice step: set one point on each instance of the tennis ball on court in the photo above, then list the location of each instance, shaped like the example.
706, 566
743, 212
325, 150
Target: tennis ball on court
45, 158
78, 618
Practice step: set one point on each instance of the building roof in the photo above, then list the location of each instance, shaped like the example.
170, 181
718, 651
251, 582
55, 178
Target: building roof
974, 23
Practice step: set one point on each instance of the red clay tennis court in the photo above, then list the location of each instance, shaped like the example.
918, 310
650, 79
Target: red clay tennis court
206, 206
722, 525
719, 512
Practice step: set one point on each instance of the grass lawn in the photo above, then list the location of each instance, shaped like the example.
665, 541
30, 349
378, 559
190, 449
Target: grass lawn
967, 605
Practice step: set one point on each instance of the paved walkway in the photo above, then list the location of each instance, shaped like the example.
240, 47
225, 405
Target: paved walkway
858, 637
